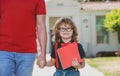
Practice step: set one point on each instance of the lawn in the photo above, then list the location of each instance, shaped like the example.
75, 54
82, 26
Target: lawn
109, 66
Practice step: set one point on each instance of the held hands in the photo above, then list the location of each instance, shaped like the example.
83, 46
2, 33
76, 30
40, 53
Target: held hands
41, 61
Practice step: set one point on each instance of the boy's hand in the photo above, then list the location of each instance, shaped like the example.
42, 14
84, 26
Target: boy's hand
41, 61
75, 63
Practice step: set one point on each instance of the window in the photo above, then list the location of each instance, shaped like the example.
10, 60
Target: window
102, 34
53, 20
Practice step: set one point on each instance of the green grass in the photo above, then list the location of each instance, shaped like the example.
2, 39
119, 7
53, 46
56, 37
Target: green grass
109, 66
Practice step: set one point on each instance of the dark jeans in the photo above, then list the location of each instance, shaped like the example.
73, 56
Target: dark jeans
66, 73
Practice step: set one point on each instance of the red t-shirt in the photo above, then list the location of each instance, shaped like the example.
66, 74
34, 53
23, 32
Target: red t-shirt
18, 24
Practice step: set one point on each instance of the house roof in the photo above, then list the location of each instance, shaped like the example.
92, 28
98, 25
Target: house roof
99, 5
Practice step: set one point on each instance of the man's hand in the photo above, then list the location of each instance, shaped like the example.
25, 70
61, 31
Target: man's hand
41, 61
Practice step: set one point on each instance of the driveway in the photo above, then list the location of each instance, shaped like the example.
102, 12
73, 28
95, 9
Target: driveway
48, 71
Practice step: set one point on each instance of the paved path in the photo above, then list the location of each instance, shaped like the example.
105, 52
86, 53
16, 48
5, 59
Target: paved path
48, 71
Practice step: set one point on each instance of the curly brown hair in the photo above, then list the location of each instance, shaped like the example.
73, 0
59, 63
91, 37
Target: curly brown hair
65, 21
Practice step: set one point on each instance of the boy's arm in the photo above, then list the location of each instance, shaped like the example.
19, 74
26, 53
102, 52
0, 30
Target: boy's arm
51, 62
82, 64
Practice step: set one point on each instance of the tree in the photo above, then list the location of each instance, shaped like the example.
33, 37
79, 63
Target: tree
112, 21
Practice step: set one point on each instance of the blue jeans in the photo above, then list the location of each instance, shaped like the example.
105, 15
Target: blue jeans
16, 64
66, 73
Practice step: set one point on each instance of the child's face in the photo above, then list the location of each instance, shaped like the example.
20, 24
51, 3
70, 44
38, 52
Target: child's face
66, 32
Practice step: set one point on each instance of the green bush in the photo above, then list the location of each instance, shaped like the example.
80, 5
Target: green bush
112, 20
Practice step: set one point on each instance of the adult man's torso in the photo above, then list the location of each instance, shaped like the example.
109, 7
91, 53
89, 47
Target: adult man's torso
18, 25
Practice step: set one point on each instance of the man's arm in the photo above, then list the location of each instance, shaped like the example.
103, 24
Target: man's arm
42, 37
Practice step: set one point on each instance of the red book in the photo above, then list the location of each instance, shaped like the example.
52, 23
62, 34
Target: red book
68, 53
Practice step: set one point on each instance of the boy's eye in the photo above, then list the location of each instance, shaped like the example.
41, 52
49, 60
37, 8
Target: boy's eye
68, 28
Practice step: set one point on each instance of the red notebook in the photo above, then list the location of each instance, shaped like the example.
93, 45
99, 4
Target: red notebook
67, 53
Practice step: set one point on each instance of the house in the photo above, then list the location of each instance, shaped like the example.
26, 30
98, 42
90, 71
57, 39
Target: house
88, 17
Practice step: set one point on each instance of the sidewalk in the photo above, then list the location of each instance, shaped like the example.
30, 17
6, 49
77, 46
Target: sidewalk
48, 71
